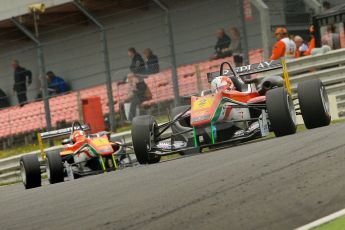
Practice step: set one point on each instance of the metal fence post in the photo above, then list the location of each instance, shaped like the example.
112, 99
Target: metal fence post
104, 43
172, 51
243, 30
265, 25
41, 66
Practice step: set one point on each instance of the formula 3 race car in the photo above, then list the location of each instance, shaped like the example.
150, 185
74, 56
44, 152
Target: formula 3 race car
249, 110
81, 155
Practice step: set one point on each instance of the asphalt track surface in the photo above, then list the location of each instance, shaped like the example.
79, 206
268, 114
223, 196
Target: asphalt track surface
278, 184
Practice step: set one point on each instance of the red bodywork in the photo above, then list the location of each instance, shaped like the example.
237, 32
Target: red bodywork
204, 108
101, 145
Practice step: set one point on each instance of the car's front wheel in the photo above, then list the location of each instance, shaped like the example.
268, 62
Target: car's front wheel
144, 129
281, 112
30, 171
54, 167
313, 101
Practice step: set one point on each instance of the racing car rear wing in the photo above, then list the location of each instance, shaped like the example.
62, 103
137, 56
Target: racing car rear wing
62, 132
253, 69
56, 133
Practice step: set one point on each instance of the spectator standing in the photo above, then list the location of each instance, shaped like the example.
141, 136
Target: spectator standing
236, 47
21, 75
301, 47
4, 102
222, 45
137, 62
331, 38
312, 42
56, 84
152, 64
138, 93
284, 47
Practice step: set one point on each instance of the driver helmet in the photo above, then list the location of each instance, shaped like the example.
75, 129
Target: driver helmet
78, 136
222, 83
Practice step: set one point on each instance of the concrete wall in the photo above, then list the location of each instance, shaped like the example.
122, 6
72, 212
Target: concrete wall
80, 61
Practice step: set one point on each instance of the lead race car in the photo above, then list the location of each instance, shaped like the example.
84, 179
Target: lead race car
82, 155
235, 109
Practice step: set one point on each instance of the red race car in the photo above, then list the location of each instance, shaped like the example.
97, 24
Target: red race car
81, 155
234, 109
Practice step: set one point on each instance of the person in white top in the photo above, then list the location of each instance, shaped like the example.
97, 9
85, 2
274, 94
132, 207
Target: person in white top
284, 47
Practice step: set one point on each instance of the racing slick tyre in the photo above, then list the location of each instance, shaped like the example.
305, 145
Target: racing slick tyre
30, 171
143, 133
183, 125
54, 167
313, 101
281, 112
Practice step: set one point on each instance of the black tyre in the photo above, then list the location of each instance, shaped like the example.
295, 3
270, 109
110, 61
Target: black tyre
313, 101
54, 167
143, 131
281, 112
30, 171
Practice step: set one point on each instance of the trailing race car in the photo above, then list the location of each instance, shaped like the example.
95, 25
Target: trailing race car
233, 110
81, 155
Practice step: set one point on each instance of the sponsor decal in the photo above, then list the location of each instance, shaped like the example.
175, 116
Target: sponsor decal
169, 146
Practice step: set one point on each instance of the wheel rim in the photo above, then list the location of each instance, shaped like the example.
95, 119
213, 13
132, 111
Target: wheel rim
292, 111
23, 173
324, 99
47, 169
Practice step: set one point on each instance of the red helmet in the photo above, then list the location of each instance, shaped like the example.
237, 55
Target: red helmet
78, 136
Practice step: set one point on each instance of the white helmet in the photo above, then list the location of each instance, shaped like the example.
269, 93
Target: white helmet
222, 83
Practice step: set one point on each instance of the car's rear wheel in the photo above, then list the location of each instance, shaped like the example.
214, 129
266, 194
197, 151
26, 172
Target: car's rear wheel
313, 101
30, 171
281, 112
144, 129
54, 167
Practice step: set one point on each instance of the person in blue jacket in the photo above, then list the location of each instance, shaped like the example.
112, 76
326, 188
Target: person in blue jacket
56, 85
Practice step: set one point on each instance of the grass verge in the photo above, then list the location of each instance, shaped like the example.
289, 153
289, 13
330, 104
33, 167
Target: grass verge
337, 224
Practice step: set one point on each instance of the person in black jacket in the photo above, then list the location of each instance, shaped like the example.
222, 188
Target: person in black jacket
222, 45
137, 65
4, 102
152, 65
138, 92
21, 75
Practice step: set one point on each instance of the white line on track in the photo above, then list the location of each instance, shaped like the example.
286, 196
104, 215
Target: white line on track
323, 220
